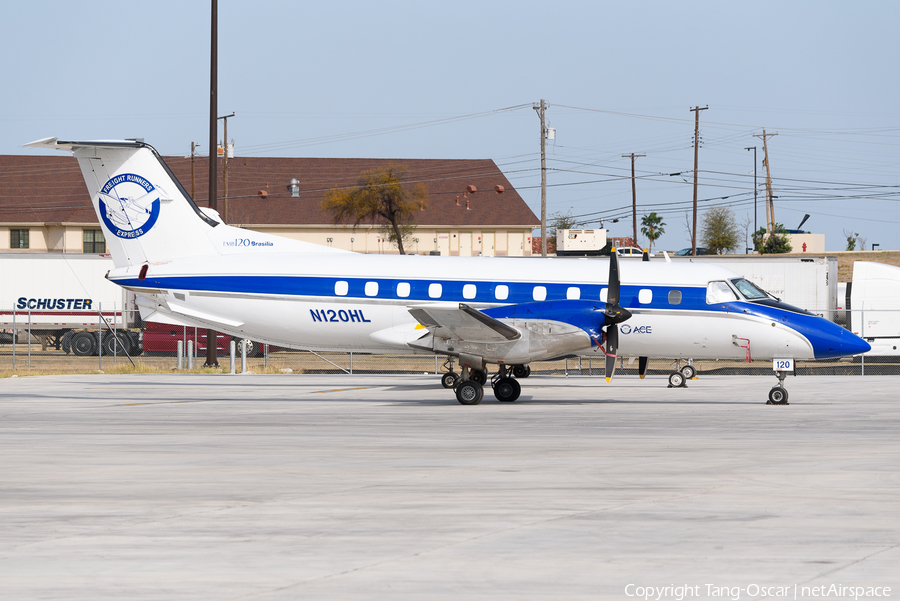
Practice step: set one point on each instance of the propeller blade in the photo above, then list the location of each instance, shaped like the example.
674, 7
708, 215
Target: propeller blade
612, 348
642, 367
612, 296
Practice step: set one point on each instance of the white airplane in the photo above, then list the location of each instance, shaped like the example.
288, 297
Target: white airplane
188, 268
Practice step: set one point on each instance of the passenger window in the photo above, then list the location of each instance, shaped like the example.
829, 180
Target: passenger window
501, 292
645, 296
371, 288
435, 290
573, 293
539, 293
403, 289
719, 292
604, 294
341, 288
469, 291
674, 297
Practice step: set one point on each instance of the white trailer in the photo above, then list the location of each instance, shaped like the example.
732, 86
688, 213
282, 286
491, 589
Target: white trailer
806, 282
580, 243
874, 306
54, 295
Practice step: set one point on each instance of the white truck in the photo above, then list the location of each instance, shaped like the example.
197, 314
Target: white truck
806, 282
874, 306
60, 296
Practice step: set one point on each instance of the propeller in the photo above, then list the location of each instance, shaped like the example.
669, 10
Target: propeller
642, 361
614, 316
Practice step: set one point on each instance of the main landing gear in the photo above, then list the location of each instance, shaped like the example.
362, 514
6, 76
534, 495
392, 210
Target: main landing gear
469, 385
679, 377
779, 394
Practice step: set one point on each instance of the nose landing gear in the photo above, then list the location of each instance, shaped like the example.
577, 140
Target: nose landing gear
779, 394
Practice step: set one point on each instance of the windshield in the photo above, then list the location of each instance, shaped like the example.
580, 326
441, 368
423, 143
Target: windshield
719, 292
749, 289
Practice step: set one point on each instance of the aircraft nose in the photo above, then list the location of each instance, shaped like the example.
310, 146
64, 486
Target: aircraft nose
854, 345
836, 341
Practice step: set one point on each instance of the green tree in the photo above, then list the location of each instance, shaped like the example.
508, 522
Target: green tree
719, 231
779, 242
851, 240
653, 227
380, 198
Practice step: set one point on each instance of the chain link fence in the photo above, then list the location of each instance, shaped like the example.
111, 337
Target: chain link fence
110, 339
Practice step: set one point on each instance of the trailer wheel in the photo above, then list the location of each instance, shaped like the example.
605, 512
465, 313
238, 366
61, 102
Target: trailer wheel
84, 344
67, 341
110, 347
136, 347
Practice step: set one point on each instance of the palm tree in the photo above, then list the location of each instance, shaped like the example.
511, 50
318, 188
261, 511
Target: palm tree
652, 226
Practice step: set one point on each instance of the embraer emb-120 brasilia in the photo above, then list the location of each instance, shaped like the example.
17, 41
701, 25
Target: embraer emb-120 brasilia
188, 268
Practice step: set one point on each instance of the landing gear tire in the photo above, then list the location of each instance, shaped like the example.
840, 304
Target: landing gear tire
521, 371
480, 376
688, 372
448, 380
469, 392
84, 344
507, 390
676, 380
778, 396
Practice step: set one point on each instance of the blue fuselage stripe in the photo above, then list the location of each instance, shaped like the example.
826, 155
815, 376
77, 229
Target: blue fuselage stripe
691, 298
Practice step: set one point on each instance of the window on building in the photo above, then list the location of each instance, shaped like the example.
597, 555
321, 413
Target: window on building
18, 238
94, 243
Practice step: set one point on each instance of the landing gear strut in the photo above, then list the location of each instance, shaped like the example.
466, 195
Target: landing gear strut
779, 394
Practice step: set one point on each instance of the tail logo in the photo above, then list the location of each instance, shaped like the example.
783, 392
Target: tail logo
129, 205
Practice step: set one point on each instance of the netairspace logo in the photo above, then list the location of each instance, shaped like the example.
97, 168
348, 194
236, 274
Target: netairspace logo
755, 591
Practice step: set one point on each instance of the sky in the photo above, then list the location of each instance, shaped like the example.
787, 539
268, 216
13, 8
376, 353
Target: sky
459, 79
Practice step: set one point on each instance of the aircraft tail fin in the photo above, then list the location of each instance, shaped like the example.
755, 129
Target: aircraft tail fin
145, 213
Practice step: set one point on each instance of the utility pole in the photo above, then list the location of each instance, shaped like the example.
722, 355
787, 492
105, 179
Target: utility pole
194, 146
541, 110
755, 189
696, 110
634, 195
212, 359
225, 168
770, 203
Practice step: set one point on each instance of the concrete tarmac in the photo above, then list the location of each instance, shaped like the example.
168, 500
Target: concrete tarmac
384, 487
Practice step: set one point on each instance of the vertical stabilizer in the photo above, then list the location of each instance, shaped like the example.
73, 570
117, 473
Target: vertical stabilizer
145, 213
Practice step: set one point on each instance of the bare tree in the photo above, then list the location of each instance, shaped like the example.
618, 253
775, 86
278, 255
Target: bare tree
745, 223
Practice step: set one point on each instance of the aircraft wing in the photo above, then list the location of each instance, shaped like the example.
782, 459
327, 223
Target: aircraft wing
463, 323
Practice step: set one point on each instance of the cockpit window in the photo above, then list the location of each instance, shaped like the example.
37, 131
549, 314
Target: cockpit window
719, 292
749, 289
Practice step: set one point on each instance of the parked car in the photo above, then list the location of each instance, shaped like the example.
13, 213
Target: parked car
630, 251
686, 252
